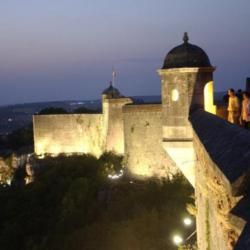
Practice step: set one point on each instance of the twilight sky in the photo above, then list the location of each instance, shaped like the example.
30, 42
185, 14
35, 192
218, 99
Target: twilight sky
65, 49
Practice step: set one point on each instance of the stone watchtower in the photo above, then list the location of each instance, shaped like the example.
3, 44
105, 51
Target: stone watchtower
112, 103
186, 85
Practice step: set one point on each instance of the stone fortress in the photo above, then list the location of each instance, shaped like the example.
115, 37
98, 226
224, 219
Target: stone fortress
133, 130
183, 132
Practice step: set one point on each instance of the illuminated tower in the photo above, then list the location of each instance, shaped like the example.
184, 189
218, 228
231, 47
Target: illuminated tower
186, 85
112, 103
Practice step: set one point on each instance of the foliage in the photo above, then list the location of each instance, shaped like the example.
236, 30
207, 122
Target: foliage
53, 111
84, 110
72, 205
111, 162
21, 137
6, 169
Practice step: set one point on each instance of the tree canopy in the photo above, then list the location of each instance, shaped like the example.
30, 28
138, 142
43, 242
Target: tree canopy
53, 111
84, 110
73, 205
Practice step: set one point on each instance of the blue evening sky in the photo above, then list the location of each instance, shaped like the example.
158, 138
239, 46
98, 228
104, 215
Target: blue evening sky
65, 49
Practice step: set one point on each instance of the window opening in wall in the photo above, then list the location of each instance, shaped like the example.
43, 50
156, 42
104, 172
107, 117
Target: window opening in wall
175, 95
209, 98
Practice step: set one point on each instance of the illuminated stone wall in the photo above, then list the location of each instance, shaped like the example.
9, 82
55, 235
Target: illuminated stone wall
113, 117
144, 153
221, 175
182, 90
82, 133
214, 202
190, 84
69, 133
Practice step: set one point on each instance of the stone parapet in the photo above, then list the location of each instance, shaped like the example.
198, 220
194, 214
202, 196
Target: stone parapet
222, 170
142, 108
117, 100
227, 144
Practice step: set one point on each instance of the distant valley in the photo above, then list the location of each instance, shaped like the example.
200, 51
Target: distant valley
16, 116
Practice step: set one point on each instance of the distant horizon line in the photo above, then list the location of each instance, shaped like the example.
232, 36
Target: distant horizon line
82, 100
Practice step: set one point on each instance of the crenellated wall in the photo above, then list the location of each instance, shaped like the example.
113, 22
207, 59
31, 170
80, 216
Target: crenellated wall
144, 153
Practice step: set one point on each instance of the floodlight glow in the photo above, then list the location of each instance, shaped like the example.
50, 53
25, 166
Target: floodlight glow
187, 221
209, 98
177, 239
175, 95
116, 176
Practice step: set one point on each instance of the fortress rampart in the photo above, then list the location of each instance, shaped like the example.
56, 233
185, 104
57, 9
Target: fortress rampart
221, 174
134, 131
144, 153
70, 133
162, 139
114, 123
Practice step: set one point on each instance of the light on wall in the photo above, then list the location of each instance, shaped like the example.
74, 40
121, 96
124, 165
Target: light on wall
209, 98
40, 148
175, 95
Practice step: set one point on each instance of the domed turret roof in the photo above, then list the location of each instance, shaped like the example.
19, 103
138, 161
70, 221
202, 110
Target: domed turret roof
112, 92
186, 55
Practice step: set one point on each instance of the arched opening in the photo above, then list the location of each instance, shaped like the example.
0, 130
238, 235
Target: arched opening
175, 95
209, 98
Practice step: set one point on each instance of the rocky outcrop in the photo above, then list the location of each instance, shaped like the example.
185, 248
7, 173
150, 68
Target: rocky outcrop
10, 163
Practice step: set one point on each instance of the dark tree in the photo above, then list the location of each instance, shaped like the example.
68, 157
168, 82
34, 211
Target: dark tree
84, 110
53, 111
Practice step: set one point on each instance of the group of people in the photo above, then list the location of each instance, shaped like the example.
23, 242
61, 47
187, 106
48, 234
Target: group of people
239, 108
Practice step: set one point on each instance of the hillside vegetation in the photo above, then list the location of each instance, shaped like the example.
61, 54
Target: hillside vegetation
73, 205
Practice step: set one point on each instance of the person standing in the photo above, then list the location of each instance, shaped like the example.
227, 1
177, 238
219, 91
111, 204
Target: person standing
245, 111
233, 107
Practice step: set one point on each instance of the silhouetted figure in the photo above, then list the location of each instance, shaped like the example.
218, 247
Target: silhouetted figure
233, 107
245, 111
